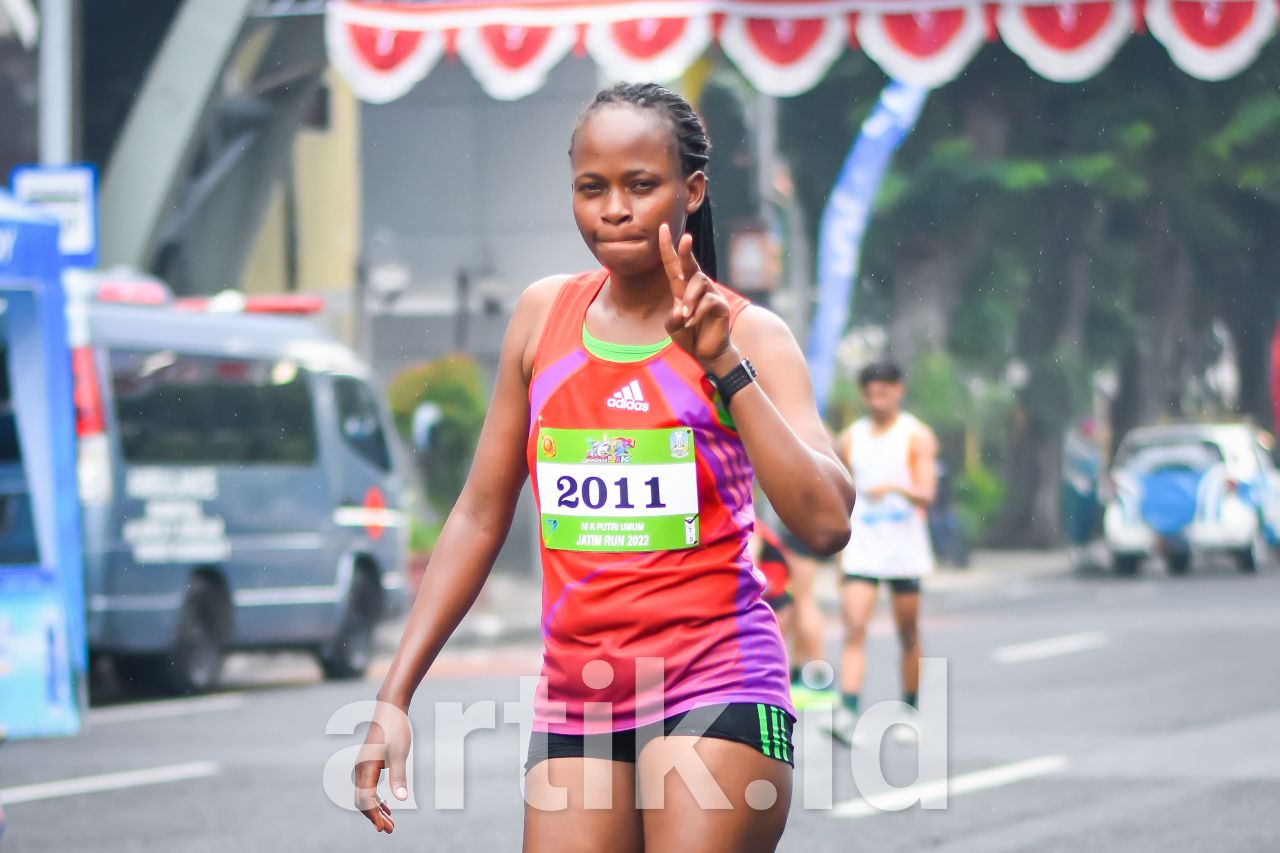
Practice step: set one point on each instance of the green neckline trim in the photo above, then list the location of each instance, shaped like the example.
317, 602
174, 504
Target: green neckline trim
622, 353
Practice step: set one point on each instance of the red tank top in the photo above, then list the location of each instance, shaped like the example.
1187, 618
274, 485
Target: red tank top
650, 603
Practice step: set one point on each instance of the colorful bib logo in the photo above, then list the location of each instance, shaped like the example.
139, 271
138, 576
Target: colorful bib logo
548, 446
610, 449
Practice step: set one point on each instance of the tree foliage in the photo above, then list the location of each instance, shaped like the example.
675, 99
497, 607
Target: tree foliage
455, 384
1042, 235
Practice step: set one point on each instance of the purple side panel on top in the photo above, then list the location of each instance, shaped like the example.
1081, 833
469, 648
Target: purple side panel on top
727, 459
546, 382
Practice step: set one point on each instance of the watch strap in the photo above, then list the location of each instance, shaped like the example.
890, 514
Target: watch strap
735, 380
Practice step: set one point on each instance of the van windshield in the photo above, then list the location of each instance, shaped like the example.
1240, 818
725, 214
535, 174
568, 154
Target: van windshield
177, 409
1146, 456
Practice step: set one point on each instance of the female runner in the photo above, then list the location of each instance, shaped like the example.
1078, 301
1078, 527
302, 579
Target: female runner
628, 394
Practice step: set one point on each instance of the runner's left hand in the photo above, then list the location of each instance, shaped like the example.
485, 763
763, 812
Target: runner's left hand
699, 319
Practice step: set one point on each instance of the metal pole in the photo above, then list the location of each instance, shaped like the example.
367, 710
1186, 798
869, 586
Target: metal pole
463, 317
766, 133
56, 86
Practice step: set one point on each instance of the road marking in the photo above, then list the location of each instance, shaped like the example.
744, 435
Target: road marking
107, 782
966, 783
1051, 647
164, 708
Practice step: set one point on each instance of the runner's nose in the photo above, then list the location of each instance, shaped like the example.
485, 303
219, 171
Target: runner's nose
617, 208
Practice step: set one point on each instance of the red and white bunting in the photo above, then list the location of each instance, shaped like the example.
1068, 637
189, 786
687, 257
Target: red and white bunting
781, 56
510, 62
650, 48
926, 48
783, 47
380, 64
1066, 42
1212, 40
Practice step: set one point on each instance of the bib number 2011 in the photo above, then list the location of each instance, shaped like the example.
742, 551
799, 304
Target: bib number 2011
597, 493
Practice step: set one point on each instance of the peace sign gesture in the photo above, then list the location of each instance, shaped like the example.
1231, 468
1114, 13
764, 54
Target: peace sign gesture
699, 319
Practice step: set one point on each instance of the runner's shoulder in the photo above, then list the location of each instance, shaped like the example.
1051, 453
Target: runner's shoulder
922, 434
529, 316
536, 299
762, 334
757, 320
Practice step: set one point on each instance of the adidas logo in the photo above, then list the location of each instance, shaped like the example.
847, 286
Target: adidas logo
628, 398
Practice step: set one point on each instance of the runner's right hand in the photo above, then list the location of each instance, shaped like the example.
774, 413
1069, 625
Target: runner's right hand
386, 745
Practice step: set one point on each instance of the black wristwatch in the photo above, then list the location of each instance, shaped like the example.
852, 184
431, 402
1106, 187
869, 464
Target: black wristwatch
733, 381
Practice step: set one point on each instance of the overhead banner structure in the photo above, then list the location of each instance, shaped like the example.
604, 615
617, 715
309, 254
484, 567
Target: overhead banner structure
783, 47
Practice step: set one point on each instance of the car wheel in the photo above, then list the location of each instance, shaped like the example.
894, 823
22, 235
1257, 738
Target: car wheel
1253, 558
1125, 565
350, 651
1179, 563
195, 661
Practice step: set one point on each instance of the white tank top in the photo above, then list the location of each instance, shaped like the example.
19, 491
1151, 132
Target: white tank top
890, 536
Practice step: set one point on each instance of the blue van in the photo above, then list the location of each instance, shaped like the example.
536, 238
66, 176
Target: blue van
241, 489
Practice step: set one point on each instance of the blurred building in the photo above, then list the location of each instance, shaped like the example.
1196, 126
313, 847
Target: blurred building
17, 86
232, 156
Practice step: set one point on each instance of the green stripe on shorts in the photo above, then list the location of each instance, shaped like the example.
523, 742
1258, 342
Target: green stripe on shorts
777, 734
764, 730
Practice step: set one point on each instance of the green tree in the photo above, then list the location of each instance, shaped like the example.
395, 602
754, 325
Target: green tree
455, 385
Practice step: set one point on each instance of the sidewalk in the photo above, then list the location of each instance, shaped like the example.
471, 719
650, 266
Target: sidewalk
509, 607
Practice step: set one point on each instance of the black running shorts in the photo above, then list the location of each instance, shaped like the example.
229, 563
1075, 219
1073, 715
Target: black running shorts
760, 726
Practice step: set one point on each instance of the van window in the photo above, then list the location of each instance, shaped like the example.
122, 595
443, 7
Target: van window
174, 409
359, 422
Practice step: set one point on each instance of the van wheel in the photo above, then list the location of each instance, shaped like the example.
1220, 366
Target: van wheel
350, 651
1125, 565
195, 661
1179, 563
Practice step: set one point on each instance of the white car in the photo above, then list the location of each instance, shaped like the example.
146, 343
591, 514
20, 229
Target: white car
1182, 490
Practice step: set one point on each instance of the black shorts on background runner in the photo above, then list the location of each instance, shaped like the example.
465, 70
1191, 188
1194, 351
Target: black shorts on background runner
795, 546
899, 586
767, 728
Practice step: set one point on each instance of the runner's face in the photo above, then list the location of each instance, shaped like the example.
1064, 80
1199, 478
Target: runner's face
882, 398
627, 181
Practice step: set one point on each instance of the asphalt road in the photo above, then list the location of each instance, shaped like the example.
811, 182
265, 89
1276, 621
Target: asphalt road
1083, 713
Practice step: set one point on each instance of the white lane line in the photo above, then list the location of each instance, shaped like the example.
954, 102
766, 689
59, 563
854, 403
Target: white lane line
164, 708
1051, 647
107, 782
966, 783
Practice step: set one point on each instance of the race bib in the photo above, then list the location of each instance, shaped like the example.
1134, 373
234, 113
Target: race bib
618, 490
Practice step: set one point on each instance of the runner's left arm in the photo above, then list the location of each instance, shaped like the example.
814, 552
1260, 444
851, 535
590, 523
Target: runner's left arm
776, 416
923, 461
789, 446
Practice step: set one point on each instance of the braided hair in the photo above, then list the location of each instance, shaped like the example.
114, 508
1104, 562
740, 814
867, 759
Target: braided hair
692, 144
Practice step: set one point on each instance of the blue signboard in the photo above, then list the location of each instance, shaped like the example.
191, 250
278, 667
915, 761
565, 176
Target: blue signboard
70, 195
42, 637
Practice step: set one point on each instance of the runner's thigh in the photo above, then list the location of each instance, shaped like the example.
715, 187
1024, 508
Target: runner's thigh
581, 805
745, 813
857, 603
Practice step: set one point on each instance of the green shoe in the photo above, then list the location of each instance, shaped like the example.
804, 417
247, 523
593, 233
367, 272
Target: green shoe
807, 697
